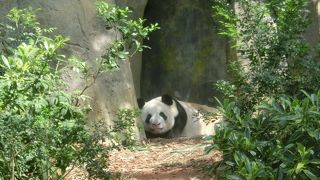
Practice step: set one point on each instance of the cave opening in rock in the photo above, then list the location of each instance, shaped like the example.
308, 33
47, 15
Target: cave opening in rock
187, 56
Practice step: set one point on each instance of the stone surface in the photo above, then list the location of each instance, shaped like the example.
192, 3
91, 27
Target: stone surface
313, 31
187, 55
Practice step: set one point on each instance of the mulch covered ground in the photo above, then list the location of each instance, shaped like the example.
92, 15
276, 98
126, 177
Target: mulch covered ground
180, 158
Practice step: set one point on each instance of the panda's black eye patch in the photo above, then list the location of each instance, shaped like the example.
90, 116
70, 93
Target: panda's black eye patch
163, 116
148, 118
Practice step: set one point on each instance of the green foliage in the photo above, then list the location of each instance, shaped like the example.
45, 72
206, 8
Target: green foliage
123, 128
39, 125
281, 141
20, 27
272, 129
274, 57
129, 33
42, 127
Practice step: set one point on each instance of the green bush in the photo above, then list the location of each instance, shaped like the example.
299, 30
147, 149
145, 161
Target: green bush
129, 34
269, 38
272, 129
39, 125
281, 141
42, 126
123, 128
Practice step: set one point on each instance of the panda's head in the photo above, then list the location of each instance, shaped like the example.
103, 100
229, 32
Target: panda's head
158, 115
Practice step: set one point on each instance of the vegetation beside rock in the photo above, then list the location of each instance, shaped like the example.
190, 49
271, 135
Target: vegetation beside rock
272, 102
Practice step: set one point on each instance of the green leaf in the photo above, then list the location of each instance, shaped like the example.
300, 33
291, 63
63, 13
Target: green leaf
5, 61
315, 161
301, 150
46, 46
248, 164
314, 133
234, 177
230, 163
314, 98
253, 153
299, 167
310, 174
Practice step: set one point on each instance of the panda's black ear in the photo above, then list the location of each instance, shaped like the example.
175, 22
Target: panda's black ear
141, 102
167, 99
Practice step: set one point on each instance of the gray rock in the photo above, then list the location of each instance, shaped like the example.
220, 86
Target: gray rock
77, 20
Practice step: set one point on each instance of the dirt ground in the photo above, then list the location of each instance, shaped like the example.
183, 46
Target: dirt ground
160, 159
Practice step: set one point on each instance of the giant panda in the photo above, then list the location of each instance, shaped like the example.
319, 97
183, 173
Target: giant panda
167, 117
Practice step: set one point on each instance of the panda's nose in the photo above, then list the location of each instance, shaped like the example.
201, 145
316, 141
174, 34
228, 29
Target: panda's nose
156, 124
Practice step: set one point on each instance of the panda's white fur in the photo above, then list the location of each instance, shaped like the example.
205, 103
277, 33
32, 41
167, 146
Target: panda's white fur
181, 118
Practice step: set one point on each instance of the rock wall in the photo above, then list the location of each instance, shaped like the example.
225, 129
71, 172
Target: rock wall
187, 55
77, 20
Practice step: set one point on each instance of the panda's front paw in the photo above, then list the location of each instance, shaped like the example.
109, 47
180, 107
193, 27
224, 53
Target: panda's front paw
171, 135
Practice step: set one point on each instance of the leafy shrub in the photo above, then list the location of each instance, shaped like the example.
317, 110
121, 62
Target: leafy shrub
123, 128
280, 142
269, 38
39, 125
42, 127
130, 33
273, 126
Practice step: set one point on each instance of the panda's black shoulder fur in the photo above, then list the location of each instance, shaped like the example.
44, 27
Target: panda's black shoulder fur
180, 120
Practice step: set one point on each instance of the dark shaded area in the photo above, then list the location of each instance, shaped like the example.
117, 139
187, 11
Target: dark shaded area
187, 55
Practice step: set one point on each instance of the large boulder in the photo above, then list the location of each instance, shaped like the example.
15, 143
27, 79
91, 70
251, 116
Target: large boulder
77, 20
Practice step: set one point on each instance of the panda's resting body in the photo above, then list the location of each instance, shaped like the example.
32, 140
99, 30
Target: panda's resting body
166, 117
